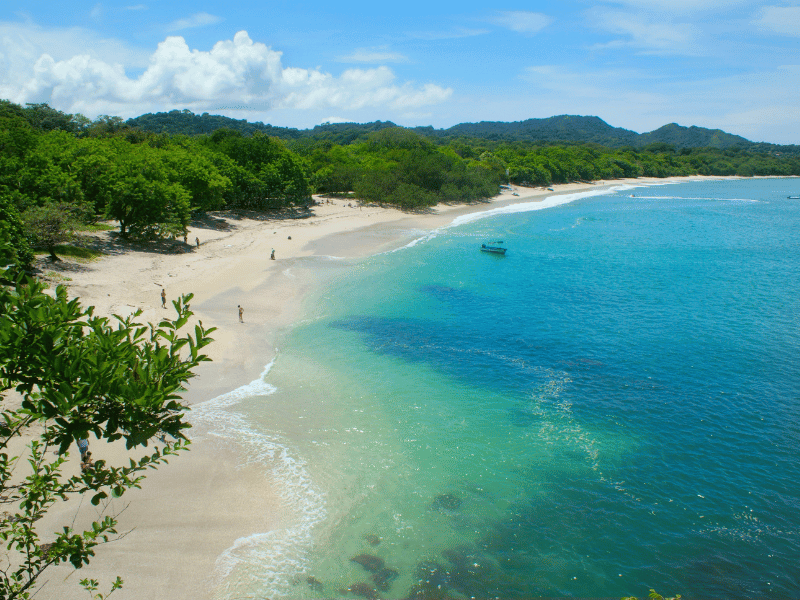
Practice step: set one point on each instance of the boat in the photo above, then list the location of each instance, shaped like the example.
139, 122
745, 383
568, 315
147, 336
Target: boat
493, 248
793, 197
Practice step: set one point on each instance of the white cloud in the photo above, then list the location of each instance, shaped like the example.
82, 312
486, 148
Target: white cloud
452, 34
22, 44
96, 12
197, 20
648, 36
781, 19
373, 55
234, 72
679, 6
136, 7
522, 21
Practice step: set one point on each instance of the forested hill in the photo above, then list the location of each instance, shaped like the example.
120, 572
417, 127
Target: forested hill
564, 128
187, 123
558, 129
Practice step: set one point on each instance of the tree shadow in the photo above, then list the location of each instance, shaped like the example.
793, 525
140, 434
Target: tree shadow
210, 221
282, 214
64, 265
114, 244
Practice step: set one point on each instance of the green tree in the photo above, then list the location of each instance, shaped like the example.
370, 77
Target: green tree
144, 200
654, 595
16, 248
50, 225
80, 378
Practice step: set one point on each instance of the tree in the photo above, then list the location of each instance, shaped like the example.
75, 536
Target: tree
16, 249
80, 378
48, 226
654, 595
144, 201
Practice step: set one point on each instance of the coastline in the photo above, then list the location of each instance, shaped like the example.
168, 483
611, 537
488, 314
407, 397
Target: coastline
190, 512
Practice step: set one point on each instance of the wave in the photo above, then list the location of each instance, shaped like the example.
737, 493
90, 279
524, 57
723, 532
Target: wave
696, 198
263, 562
522, 207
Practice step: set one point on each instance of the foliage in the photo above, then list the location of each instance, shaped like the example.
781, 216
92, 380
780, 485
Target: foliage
80, 378
653, 595
92, 585
16, 249
49, 225
562, 129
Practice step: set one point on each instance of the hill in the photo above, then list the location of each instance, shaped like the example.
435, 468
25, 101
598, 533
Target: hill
563, 128
571, 129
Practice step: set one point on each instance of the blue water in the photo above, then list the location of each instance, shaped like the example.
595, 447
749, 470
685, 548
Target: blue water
611, 407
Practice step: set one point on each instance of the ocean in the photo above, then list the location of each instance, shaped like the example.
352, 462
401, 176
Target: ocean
611, 407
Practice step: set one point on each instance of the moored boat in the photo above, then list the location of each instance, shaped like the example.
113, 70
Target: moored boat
493, 248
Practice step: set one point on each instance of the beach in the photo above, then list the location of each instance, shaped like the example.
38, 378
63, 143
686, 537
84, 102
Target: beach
190, 512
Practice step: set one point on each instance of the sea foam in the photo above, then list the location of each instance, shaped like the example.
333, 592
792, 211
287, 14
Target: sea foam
263, 562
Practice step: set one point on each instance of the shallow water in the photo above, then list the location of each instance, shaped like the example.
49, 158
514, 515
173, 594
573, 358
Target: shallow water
612, 406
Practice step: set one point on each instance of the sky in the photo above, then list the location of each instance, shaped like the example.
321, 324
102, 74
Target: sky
637, 64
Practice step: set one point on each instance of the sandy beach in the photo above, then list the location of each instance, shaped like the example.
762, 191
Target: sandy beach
189, 512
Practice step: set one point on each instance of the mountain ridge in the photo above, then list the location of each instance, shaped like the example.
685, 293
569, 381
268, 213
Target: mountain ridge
556, 129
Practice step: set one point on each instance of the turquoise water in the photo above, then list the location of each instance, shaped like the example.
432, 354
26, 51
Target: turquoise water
613, 406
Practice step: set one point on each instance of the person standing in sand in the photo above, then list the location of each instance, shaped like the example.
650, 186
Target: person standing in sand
197, 241
163, 298
241, 312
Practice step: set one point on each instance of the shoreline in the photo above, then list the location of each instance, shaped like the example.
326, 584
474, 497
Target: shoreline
190, 512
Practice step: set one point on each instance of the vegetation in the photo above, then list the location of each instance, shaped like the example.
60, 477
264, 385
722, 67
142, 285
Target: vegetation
61, 173
654, 595
563, 129
80, 378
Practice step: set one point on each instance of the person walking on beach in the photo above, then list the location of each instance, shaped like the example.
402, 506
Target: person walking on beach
197, 241
163, 298
241, 312
272, 256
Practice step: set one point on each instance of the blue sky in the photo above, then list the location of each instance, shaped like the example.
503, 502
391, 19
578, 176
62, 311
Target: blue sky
638, 64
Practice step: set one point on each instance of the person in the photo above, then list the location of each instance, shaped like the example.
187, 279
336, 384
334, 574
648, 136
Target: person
197, 241
163, 298
83, 447
241, 312
272, 256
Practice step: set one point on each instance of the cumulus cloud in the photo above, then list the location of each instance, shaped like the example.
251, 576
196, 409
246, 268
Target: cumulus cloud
239, 71
21, 44
197, 20
781, 19
373, 55
522, 21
